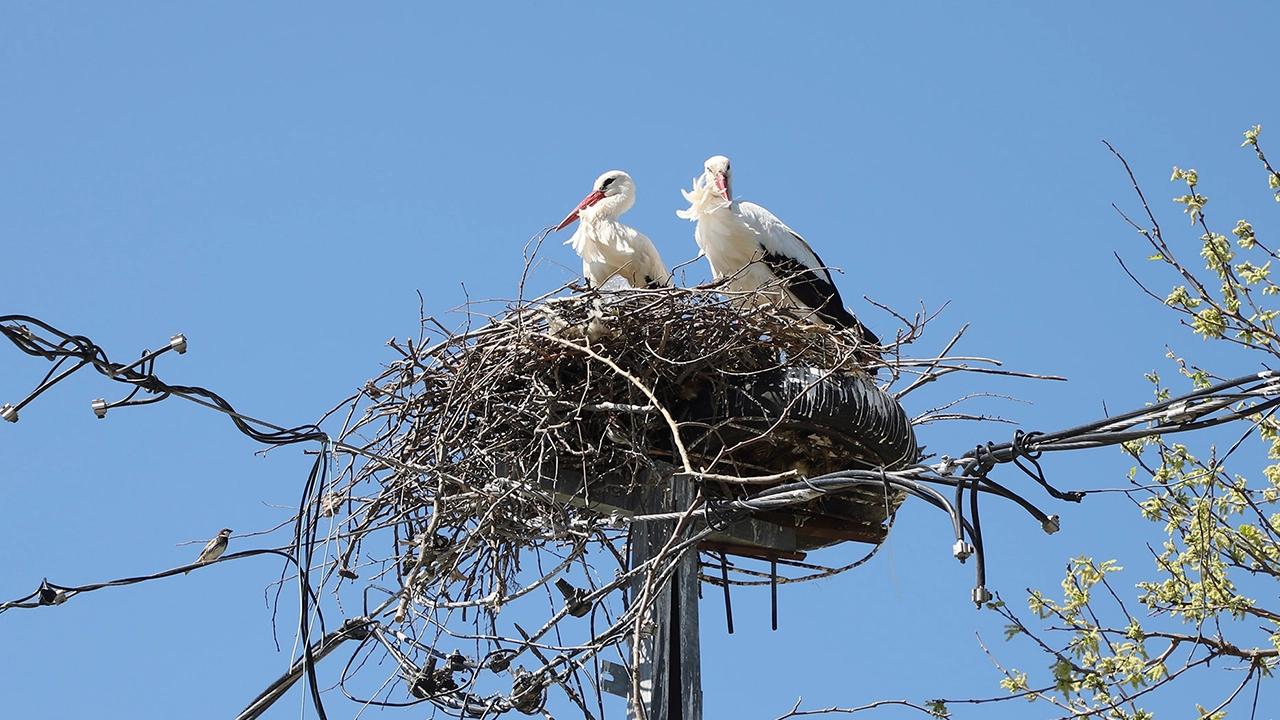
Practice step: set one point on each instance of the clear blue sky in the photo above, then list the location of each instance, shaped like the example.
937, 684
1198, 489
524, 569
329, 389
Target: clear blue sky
278, 182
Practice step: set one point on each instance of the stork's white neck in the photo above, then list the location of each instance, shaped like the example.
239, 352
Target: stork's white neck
596, 229
704, 200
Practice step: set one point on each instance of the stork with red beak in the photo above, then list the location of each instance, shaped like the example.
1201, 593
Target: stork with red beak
607, 247
752, 248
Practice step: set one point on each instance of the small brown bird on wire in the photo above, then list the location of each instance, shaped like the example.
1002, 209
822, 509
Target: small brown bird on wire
214, 548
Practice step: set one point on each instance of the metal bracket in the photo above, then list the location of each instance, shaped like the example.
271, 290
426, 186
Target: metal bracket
615, 680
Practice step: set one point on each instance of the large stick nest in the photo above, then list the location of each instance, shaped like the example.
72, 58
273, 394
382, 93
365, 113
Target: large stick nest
606, 384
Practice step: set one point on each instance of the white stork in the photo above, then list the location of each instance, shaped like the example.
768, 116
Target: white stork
752, 248
607, 247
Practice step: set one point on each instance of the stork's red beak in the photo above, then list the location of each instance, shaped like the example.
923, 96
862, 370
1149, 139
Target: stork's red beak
722, 184
595, 197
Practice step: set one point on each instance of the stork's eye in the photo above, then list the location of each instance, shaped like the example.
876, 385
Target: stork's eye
607, 182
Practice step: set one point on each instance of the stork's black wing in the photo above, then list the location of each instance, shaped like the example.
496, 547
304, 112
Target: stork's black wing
812, 289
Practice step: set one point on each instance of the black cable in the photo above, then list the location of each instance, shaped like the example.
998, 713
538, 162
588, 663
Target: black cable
728, 601
979, 553
835, 482
1021, 448
304, 542
84, 350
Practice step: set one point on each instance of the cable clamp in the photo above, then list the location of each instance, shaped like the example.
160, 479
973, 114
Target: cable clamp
1051, 525
49, 595
575, 599
179, 342
9, 412
946, 465
500, 660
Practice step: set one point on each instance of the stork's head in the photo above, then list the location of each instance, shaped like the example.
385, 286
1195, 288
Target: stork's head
612, 194
716, 173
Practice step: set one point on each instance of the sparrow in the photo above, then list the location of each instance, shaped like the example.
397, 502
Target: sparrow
215, 547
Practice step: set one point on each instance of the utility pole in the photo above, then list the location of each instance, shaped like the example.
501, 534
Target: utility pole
670, 658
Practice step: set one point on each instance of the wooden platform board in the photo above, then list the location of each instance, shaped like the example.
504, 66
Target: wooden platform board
857, 517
